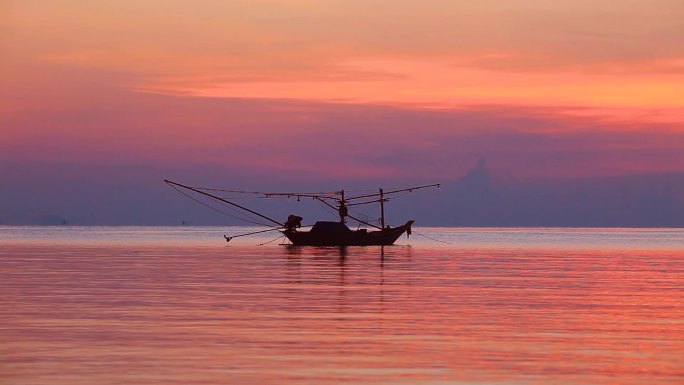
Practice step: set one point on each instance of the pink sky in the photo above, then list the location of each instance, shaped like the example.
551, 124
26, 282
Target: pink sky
353, 89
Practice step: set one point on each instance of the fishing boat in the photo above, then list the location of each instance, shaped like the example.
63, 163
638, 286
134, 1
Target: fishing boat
324, 233
321, 233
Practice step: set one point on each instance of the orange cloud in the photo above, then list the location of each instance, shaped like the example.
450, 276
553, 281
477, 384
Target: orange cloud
443, 84
89, 80
436, 54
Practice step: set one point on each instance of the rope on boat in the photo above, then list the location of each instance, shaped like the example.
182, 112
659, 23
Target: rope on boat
432, 239
240, 218
272, 240
225, 201
331, 194
366, 218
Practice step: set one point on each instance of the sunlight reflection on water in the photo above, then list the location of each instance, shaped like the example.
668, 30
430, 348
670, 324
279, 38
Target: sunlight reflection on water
179, 305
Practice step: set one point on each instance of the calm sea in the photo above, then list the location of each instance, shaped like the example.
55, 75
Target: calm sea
178, 305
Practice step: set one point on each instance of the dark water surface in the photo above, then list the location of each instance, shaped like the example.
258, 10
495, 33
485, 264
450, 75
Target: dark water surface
144, 305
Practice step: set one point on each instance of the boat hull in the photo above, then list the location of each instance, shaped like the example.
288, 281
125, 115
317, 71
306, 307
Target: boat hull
362, 237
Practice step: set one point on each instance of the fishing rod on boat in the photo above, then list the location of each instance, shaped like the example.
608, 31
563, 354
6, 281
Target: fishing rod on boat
252, 233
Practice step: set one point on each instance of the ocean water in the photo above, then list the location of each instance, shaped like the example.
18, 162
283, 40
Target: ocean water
179, 305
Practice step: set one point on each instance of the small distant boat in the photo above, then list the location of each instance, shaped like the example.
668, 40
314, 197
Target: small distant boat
322, 233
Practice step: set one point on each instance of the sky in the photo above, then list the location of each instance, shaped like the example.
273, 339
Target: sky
100, 101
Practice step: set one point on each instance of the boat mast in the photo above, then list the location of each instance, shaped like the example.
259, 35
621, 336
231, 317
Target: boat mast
382, 209
342, 203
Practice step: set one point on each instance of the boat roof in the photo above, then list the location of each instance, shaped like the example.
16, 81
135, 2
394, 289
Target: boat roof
329, 227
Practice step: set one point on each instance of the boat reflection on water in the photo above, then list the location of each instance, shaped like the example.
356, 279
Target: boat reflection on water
347, 279
369, 253
330, 251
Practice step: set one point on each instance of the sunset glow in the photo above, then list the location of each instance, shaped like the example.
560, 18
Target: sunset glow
351, 90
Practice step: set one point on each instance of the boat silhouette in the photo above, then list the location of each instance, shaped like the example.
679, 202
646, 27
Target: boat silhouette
322, 233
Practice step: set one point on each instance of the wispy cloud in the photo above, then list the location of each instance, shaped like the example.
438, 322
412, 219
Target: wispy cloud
376, 87
436, 53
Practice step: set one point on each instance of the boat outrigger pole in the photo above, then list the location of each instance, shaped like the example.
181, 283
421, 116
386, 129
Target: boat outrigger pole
223, 200
252, 233
409, 189
382, 199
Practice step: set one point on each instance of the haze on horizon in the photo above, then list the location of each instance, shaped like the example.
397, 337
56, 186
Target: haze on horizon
576, 106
